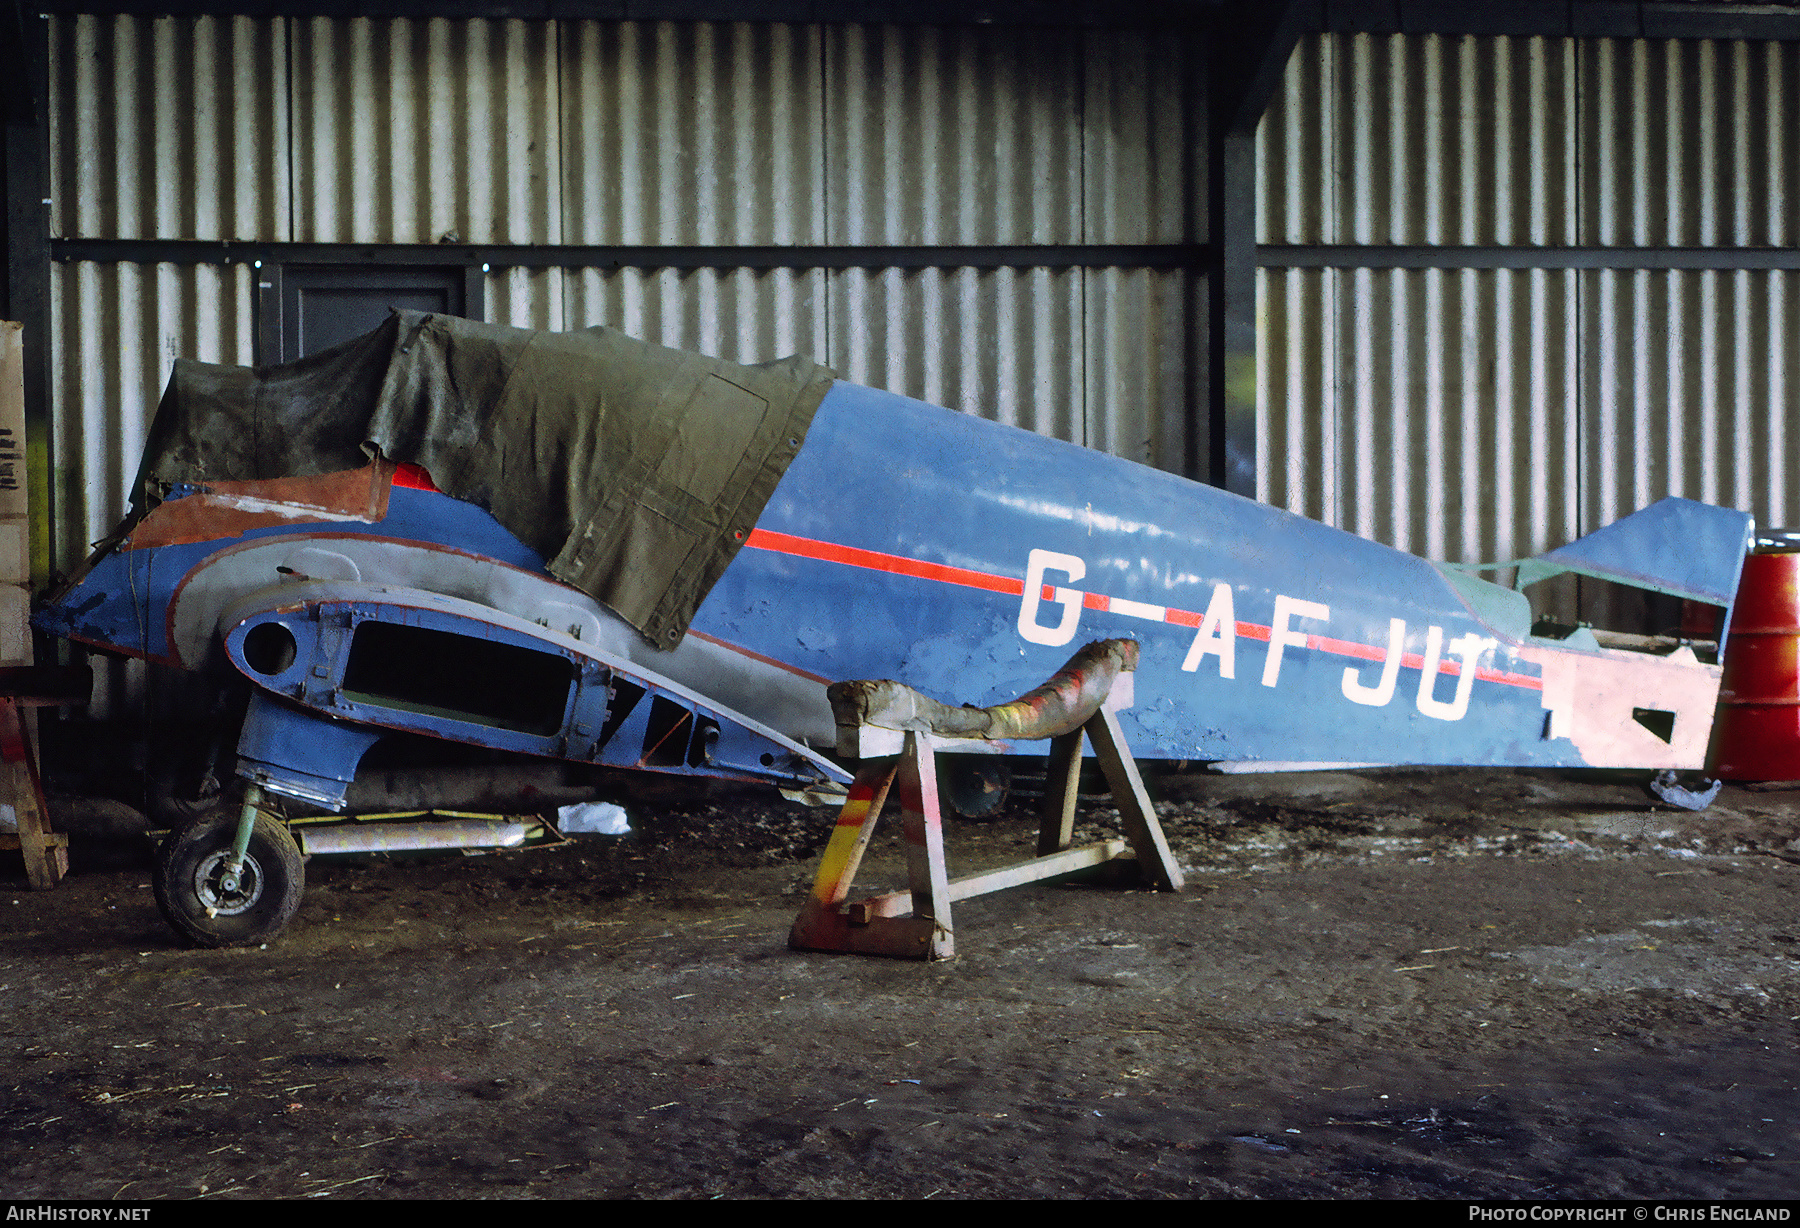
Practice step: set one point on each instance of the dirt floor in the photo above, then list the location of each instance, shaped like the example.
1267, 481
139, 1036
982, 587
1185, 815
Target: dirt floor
1390, 984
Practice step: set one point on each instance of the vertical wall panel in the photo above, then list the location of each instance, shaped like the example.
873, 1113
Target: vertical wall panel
692, 133
989, 342
1690, 383
171, 128
953, 134
1145, 367
1431, 409
1143, 128
742, 315
427, 130
105, 395
1296, 152
1298, 386
1690, 143
1480, 415
526, 298
1421, 139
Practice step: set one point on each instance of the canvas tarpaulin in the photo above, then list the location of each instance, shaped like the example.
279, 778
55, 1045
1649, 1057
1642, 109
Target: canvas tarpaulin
635, 469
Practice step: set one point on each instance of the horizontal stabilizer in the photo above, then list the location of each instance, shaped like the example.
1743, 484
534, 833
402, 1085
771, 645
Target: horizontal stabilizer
1675, 546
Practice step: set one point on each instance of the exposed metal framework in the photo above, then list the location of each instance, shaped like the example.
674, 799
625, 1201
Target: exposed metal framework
568, 256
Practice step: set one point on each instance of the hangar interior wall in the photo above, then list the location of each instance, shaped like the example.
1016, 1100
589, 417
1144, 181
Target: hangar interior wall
653, 133
1462, 413
1479, 414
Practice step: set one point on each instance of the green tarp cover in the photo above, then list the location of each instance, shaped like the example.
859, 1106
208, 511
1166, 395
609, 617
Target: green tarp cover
636, 470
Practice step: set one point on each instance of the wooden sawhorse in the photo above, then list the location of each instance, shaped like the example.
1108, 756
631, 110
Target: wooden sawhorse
915, 924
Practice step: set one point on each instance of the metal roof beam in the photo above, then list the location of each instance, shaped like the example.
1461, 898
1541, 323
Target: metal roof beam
1429, 256
552, 256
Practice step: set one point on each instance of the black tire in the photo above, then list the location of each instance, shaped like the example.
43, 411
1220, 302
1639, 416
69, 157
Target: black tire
188, 889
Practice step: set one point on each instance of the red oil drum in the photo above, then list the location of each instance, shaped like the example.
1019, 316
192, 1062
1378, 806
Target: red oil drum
1758, 734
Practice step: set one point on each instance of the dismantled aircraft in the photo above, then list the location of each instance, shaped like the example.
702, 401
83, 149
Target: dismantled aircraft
585, 547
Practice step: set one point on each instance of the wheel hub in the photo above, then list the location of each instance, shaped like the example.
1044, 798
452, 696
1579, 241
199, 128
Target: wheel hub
224, 893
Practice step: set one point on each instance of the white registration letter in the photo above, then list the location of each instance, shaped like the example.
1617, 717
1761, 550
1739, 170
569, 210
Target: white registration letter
1468, 650
1218, 633
1279, 635
1038, 562
1377, 696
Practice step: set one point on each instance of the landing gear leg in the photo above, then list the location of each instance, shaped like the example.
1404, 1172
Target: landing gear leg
224, 881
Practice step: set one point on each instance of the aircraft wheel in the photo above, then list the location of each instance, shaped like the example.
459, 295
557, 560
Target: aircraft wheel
211, 907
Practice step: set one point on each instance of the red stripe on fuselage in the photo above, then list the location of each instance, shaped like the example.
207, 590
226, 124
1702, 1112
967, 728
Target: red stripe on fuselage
874, 560
894, 564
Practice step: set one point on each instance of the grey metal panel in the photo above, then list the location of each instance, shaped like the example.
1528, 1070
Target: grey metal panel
1459, 140
105, 394
1143, 125
426, 130
526, 298
1108, 358
1689, 143
1422, 139
692, 133
169, 127
953, 134
118, 330
994, 343
1689, 382
1478, 415
744, 315
1144, 387
1298, 392
1434, 410
1297, 153
1487, 413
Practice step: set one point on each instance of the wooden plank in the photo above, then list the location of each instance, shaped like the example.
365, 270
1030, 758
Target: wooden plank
1138, 815
1037, 869
46, 858
821, 925
1062, 784
927, 871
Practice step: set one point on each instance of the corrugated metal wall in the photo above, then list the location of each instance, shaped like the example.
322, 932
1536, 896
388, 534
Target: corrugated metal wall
173, 129
1459, 413
411, 130
1488, 414
119, 330
654, 133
